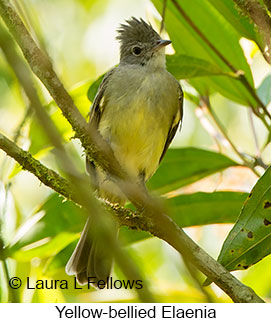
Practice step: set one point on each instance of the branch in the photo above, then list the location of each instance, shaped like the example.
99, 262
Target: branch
47, 176
248, 160
235, 289
97, 149
257, 13
57, 183
81, 184
267, 3
242, 78
163, 15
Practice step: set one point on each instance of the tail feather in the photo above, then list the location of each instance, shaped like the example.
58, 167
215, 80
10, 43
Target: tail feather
78, 260
91, 258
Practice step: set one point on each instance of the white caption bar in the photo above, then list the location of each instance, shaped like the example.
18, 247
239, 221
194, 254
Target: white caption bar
85, 312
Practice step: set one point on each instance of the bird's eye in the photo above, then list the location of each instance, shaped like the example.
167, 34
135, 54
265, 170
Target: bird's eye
136, 50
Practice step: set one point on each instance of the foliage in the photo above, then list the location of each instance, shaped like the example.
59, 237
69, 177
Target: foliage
249, 240
212, 66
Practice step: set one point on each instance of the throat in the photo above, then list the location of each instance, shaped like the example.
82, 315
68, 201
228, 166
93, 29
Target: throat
157, 61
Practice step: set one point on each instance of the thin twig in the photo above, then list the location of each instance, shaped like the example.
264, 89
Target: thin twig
12, 295
258, 158
242, 78
163, 15
194, 274
220, 126
267, 3
258, 14
18, 131
256, 142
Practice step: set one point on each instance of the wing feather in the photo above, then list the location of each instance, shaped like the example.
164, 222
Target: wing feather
95, 114
175, 124
98, 103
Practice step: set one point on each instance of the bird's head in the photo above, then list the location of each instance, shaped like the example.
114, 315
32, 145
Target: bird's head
140, 44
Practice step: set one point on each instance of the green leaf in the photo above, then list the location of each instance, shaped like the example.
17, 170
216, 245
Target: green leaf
186, 67
192, 98
186, 210
38, 137
89, 4
237, 19
264, 90
250, 239
221, 34
94, 88
183, 166
206, 208
39, 140
46, 248
80, 98
60, 259
196, 209
53, 218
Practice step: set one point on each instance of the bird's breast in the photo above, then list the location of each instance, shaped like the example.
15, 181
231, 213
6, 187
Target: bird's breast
136, 121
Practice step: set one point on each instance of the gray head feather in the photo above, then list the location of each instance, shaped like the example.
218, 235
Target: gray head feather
136, 33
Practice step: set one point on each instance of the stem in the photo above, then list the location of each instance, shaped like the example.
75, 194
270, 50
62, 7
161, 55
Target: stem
242, 78
261, 18
267, 3
163, 15
257, 158
250, 118
194, 274
12, 295
18, 131
225, 134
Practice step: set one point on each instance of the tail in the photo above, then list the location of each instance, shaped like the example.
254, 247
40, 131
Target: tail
91, 258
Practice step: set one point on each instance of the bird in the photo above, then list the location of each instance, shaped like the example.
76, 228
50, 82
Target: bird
137, 109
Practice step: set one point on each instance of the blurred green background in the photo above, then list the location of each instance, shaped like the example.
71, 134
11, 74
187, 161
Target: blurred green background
79, 36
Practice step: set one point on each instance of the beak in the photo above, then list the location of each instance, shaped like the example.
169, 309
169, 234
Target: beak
160, 44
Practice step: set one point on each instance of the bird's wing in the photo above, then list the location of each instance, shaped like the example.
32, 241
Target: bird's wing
96, 111
175, 123
97, 106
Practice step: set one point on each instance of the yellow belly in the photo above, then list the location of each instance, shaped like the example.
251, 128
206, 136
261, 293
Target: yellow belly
136, 137
137, 113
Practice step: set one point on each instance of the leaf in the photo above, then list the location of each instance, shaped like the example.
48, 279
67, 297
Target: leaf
60, 259
39, 139
46, 249
53, 218
183, 166
238, 20
94, 88
192, 98
89, 4
196, 209
220, 34
80, 98
186, 210
250, 239
186, 67
264, 90
206, 208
